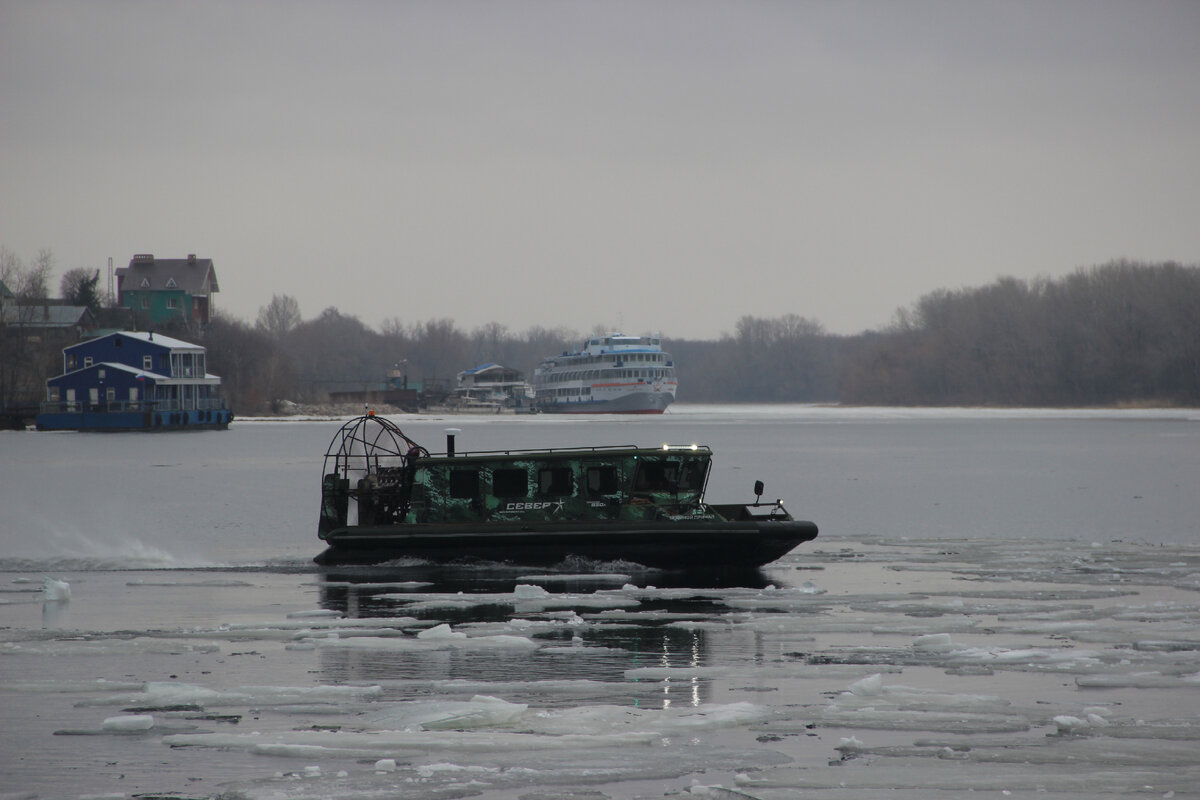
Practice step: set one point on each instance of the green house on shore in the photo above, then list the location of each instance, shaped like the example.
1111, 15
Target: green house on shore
166, 290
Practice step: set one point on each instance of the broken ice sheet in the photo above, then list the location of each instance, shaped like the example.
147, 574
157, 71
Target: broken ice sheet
497, 744
524, 598
481, 711
102, 645
439, 637
561, 774
162, 693
1014, 671
951, 775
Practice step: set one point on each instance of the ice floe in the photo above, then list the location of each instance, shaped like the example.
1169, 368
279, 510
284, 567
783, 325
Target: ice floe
1020, 668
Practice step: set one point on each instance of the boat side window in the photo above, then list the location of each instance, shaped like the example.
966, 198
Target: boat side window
464, 483
656, 476
691, 477
602, 480
510, 483
555, 481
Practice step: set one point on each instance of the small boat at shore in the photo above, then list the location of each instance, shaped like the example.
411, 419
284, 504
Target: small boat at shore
384, 498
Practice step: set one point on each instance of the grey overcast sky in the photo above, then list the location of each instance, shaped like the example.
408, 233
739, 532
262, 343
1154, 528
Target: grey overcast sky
650, 165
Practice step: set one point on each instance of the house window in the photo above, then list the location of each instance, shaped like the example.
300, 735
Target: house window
172, 302
72, 362
171, 283
110, 394
100, 373
148, 363
87, 361
52, 394
145, 303
145, 283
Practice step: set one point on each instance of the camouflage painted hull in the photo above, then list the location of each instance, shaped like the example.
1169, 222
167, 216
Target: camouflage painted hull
660, 544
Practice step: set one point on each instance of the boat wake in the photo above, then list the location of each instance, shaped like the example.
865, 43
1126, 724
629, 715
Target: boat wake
117, 562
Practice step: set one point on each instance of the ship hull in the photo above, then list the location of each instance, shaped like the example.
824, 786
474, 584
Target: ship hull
671, 545
633, 403
195, 420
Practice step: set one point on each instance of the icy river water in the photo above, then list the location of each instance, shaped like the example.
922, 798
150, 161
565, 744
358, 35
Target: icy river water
1000, 604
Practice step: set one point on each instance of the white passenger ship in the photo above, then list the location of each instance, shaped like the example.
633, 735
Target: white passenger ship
615, 374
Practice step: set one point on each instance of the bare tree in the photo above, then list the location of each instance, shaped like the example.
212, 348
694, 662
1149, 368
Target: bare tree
278, 317
25, 359
36, 284
10, 266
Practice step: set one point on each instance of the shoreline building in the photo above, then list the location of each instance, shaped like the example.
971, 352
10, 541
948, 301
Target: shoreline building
134, 380
161, 291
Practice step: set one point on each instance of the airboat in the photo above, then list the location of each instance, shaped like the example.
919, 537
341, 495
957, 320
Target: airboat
385, 498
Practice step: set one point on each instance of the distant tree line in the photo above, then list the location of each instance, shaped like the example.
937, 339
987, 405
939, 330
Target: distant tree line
1115, 334
1121, 333
283, 357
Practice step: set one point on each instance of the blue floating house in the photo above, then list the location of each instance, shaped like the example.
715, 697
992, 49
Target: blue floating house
133, 380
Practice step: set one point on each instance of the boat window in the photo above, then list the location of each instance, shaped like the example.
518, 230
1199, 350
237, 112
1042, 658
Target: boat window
510, 483
601, 480
464, 483
671, 476
691, 477
656, 476
555, 481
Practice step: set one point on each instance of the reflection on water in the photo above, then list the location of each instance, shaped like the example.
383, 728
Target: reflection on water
588, 626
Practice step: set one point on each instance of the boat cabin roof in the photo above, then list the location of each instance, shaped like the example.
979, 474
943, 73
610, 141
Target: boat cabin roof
574, 453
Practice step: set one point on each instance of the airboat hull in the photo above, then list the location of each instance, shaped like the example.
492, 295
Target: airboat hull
704, 544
